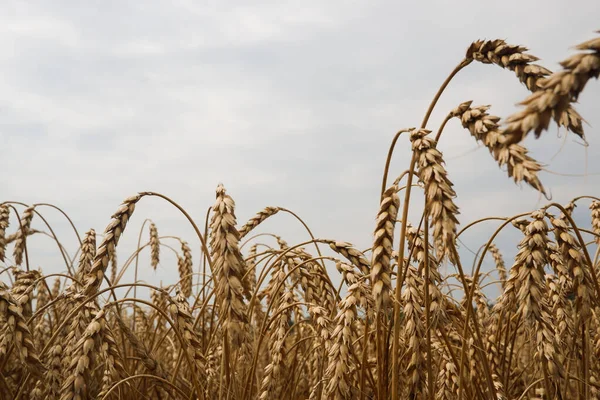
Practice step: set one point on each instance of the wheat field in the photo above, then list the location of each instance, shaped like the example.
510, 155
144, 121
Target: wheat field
250, 320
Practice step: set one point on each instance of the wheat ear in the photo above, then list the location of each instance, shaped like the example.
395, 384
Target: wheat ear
112, 234
555, 95
4, 221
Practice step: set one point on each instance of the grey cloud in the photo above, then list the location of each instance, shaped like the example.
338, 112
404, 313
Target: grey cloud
287, 103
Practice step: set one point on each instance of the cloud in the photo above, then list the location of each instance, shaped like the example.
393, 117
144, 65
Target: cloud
287, 103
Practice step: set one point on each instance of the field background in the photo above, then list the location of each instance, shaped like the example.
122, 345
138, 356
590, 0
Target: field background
290, 105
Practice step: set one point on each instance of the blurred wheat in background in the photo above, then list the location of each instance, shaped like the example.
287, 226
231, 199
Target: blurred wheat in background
249, 320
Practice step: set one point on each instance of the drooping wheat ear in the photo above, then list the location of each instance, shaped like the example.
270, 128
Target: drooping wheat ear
438, 191
154, 246
4, 221
572, 258
112, 234
21, 234
381, 280
88, 252
257, 219
229, 267
595, 208
414, 333
499, 261
511, 57
514, 58
185, 268
556, 93
355, 256
485, 128
14, 330
341, 360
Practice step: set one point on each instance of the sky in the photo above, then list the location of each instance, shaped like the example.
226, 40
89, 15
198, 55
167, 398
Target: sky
287, 103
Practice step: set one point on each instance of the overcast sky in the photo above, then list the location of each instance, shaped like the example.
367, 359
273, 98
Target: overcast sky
288, 103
